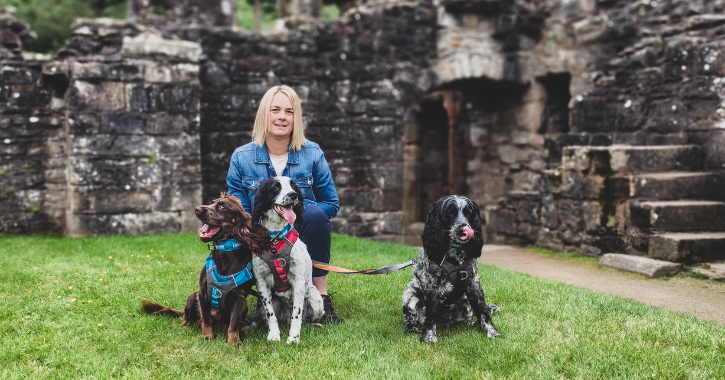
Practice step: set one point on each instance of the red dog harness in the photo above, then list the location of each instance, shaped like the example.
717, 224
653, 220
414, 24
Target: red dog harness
278, 258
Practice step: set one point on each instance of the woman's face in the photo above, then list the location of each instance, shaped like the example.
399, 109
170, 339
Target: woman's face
281, 116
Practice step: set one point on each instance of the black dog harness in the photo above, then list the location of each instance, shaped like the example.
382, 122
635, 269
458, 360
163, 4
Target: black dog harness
278, 259
458, 275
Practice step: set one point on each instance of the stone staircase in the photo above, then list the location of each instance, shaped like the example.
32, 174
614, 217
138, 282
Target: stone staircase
641, 200
676, 207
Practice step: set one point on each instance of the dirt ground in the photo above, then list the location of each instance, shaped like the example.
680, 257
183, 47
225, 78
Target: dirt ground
699, 298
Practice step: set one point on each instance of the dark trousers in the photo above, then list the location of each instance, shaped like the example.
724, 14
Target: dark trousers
315, 232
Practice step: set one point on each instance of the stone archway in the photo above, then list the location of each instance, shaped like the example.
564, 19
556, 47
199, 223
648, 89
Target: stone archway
489, 143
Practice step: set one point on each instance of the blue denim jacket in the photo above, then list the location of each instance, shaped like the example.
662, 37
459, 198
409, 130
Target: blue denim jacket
251, 165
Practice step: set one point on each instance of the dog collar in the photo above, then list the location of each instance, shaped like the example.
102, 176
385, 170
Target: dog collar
281, 234
225, 246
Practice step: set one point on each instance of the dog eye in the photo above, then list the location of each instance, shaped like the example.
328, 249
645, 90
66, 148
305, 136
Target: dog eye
221, 207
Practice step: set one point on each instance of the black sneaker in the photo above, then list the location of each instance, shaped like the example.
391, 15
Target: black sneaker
330, 316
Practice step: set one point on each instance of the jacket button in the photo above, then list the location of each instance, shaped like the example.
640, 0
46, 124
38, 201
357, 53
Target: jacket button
309, 182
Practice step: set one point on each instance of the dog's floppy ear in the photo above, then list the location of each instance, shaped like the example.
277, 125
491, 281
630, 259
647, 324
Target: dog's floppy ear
255, 237
264, 199
473, 248
435, 234
299, 208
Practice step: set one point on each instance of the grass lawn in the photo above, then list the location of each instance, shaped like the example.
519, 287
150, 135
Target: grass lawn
70, 308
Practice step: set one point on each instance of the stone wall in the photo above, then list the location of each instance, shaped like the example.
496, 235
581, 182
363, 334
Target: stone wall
32, 138
133, 125
356, 78
140, 118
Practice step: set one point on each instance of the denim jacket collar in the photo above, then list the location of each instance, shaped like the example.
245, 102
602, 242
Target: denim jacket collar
262, 155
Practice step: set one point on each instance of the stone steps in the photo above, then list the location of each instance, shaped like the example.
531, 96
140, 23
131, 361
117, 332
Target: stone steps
606, 160
679, 216
688, 247
669, 186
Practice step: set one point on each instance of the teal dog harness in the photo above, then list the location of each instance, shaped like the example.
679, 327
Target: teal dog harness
219, 286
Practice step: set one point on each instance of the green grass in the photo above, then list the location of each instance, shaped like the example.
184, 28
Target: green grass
551, 330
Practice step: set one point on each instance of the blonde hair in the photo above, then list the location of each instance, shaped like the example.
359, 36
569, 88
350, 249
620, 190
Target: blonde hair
261, 123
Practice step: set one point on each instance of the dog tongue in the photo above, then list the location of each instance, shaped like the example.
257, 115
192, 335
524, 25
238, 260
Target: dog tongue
467, 233
207, 231
288, 214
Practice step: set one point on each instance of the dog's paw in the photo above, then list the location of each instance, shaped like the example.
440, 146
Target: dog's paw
273, 336
207, 332
295, 339
429, 336
234, 340
492, 308
491, 331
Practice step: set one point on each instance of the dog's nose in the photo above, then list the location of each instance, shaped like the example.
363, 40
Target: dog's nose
198, 210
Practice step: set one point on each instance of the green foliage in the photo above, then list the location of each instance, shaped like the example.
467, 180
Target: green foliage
71, 309
330, 12
29, 166
245, 13
33, 209
51, 19
3, 172
151, 158
9, 191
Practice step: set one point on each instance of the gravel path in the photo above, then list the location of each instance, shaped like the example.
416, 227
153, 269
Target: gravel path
699, 298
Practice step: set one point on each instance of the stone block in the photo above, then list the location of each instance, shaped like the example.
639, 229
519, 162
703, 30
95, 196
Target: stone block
103, 96
177, 98
150, 45
679, 216
128, 224
84, 123
164, 72
641, 265
11, 75
186, 169
163, 123
111, 201
123, 123
688, 247
715, 150
179, 145
98, 71
577, 186
113, 145
392, 223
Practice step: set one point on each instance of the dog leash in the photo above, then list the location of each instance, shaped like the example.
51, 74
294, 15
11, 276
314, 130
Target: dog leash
383, 270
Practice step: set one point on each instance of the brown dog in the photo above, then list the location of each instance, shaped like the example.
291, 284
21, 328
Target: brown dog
226, 279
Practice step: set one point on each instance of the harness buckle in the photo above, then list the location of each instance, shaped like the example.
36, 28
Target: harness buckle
282, 262
211, 246
464, 275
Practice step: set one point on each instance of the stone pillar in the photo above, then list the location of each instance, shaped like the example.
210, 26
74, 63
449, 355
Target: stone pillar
134, 158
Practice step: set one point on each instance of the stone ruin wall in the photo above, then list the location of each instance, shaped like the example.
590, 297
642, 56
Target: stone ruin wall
535, 77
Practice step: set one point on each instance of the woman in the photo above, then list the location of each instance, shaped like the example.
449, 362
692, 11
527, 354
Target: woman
279, 148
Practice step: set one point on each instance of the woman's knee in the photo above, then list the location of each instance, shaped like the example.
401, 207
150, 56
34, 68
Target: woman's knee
315, 218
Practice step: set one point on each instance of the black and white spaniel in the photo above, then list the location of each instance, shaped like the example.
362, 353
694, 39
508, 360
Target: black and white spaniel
284, 272
445, 288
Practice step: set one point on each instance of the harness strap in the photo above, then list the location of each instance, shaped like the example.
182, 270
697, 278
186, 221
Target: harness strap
460, 277
383, 270
219, 286
278, 259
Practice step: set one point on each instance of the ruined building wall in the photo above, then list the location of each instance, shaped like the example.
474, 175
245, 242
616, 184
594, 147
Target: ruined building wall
142, 134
